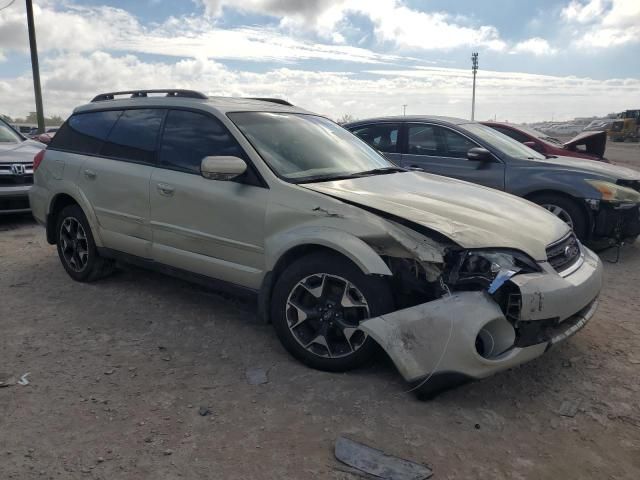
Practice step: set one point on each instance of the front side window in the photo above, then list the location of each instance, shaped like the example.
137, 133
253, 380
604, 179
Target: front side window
301, 147
134, 136
383, 136
85, 133
455, 144
188, 137
423, 140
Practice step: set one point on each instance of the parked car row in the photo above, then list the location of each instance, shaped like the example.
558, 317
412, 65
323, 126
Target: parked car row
345, 249
598, 201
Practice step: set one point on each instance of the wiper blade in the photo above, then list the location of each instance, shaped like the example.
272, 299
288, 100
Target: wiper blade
366, 173
380, 171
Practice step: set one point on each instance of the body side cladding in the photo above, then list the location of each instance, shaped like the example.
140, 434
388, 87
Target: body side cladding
203, 280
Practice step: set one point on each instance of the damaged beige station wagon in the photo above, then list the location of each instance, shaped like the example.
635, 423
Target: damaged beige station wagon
345, 250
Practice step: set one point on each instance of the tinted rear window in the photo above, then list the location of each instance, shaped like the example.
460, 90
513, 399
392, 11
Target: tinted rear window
85, 132
135, 135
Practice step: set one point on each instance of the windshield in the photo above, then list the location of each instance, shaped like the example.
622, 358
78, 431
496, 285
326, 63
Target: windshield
8, 134
300, 147
501, 142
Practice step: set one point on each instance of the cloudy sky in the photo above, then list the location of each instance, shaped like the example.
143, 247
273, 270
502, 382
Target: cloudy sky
538, 59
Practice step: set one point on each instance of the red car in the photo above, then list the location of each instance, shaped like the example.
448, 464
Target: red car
589, 145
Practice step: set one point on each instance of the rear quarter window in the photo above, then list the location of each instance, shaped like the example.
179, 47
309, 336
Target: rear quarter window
85, 132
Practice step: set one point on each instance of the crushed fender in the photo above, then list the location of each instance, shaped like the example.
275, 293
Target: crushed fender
327, 213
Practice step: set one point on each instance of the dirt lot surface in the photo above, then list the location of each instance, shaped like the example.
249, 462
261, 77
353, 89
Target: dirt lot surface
119, 370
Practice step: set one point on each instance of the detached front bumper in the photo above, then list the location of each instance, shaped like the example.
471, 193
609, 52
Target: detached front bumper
467, 335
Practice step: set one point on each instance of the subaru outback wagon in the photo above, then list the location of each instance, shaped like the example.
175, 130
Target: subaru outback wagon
345, 250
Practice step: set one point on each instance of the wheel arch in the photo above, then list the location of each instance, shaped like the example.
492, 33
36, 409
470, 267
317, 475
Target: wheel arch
283, 250
61, 200
58, 202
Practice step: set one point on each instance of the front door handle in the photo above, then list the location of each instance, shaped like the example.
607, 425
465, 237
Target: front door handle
416, 168
90, 174
164, 189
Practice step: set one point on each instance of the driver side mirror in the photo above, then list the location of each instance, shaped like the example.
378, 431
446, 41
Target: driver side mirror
222, 167
479, 155
533, 146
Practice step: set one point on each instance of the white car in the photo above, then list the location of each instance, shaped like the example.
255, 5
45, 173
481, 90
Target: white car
343, 248
16, 169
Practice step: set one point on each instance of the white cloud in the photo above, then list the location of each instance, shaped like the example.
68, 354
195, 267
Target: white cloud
536, 46
305, 9
74, 78
604, 23
581, 12
394, 22
85, 29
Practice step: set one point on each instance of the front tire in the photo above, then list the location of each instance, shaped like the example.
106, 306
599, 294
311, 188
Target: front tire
566, 210
77, 248
318, 303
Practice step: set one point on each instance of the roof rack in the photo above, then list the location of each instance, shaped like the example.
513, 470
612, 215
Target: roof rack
143, 93
272, 100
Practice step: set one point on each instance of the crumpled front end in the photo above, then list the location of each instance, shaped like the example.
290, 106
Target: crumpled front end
469, 335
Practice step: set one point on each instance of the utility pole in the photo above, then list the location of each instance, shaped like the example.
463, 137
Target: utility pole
474, 69
35, 66
404, 110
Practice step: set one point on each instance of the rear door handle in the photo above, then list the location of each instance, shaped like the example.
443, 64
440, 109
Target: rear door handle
164, 189
90, 174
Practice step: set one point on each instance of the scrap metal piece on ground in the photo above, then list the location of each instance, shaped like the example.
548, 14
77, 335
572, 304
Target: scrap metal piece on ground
569, 408
256, 376
377, 463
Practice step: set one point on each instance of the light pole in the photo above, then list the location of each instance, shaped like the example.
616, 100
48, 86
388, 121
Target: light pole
474, 69
35, 67
404, 110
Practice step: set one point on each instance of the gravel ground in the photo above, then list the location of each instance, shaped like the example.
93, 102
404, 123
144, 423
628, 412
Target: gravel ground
120, 369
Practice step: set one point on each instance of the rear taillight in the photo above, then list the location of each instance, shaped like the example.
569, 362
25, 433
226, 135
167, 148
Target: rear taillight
37, 160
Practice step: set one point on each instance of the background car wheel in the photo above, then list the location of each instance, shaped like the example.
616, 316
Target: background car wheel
76, 247
566, 210
318, 303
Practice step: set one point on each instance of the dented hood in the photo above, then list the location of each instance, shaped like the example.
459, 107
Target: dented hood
470, 215
594, 143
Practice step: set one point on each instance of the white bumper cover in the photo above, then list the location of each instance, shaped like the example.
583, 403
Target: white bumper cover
440, 337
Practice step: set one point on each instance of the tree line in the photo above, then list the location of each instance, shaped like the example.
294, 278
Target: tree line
53, 121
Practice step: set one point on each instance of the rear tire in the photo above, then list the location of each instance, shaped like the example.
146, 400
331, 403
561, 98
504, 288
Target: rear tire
331, 297
77, 248
567, 210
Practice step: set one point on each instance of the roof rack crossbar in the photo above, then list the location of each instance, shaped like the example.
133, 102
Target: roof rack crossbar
143, 93
272, 100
